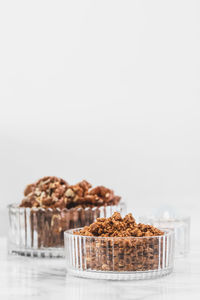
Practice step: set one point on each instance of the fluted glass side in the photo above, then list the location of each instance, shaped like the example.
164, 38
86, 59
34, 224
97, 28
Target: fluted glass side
181, 227
40, 232
119, 258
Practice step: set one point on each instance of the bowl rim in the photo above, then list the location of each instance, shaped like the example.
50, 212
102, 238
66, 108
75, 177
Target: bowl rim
69, 232
16, 207
151, 218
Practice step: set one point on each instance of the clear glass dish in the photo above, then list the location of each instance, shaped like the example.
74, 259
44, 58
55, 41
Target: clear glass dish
181, 227
39, 232
119, 258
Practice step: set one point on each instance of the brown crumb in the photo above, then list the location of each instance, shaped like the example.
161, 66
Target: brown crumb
60, 206
54, 192
126, 251
46, 192
119, 227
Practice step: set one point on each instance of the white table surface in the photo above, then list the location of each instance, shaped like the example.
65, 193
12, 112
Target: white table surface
26, 278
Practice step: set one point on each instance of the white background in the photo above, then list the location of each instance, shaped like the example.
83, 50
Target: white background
106, 91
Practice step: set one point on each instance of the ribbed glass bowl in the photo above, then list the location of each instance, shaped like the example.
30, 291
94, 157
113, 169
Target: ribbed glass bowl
119, 258
181, 227
39, 232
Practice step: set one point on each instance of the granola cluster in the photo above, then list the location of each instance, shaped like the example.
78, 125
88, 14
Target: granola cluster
116, 226
133, 247
81, 195
61, 206
53, 192
46, 192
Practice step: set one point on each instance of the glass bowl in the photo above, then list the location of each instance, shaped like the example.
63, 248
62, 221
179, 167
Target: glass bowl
39, 232
119, 258
181, 227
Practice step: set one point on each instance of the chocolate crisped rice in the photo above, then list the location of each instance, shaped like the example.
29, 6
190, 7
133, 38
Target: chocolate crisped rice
120, 244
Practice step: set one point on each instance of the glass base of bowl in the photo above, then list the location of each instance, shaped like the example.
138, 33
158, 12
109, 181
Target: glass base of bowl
43, 253
137, 275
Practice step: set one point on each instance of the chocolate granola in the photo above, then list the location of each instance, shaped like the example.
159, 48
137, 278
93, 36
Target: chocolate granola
57, 206
120, 244
53, 192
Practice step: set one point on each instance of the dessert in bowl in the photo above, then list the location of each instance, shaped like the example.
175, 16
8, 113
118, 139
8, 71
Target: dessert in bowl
49, 207
119, 248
